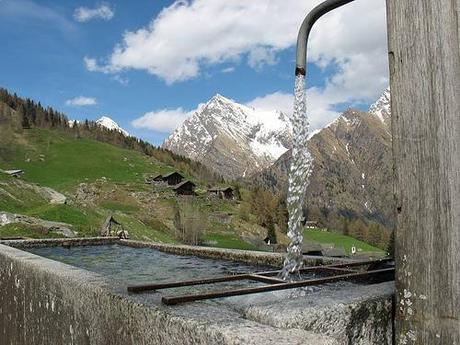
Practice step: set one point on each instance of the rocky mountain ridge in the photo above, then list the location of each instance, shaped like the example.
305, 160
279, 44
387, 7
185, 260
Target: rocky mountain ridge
351, 174
231, 138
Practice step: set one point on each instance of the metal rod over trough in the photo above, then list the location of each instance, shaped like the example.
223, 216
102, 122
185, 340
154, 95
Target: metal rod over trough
338, 272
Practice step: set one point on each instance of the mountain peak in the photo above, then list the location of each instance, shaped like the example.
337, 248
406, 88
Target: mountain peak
110, 124
219, 99
381, 108
237, 139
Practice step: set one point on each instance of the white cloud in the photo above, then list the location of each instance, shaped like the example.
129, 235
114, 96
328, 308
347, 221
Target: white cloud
228, 70
92, 66
319, 110
163, 121
277, 100
190, 35
81, 101
122, 80
84, 14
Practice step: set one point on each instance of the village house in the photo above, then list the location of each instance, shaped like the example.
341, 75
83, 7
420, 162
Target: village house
154, 179
173, 178
185, 188
222, 193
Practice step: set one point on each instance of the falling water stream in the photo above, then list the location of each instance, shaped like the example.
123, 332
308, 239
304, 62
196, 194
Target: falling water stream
298, 181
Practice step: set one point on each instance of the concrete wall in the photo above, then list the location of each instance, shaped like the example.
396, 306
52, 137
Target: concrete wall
46, 302
245, 256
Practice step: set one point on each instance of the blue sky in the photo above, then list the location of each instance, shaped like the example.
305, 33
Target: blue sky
125, 59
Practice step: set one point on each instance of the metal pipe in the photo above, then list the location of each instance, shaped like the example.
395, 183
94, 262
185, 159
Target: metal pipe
305, 28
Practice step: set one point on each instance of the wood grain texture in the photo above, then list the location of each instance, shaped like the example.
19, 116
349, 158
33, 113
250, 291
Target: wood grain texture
425, 99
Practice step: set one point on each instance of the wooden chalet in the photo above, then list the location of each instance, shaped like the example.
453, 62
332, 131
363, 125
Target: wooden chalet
154, 179
222, 193
185, 188
157, 178
173, 179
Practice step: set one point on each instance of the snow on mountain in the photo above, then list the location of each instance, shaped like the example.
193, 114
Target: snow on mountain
238, 141
381, 108
108, 123
352, 169
72, 123
232, 137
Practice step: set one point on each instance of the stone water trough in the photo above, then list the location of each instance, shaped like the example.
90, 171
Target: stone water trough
73, 291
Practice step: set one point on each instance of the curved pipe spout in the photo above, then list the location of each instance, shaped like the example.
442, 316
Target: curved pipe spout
302, 38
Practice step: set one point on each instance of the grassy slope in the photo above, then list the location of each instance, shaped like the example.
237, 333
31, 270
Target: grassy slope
60, 162
228, 241
21, 230
339, 240
15, 198
57, 160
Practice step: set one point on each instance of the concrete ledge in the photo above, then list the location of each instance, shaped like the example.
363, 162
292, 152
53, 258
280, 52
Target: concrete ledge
47, 302
359, 315
246, 256
56, 242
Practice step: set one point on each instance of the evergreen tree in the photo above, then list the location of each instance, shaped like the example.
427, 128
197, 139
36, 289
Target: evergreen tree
25, 123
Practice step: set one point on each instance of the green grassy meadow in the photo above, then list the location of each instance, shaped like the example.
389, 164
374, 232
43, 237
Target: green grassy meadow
228, 241
60, 161
339, 240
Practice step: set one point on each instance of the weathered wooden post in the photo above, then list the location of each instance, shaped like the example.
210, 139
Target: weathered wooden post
425, 89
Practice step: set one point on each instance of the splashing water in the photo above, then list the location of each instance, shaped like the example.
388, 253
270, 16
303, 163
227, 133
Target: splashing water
298, 180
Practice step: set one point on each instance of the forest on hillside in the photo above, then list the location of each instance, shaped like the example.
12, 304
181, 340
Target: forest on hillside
33, 114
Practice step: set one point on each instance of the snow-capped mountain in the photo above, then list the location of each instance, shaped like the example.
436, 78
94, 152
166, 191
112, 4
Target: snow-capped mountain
72, 123
232, 138
352, 166
381, 108
108, 123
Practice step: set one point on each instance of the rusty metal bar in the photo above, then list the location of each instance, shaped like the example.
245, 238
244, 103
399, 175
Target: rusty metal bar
338, 269
258, 276
264, 279
159, 286
342, 265
172, 300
